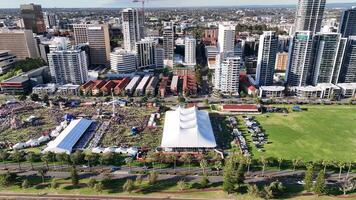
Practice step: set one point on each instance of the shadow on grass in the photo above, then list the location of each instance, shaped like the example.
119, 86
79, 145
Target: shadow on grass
165, 184
73, 187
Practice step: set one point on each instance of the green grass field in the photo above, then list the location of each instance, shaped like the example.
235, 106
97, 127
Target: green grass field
321, 133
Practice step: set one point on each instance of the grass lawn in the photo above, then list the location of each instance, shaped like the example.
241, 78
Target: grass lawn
321, 133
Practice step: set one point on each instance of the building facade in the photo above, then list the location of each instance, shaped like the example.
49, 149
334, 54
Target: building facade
227, 75
145, 50
190, 51
347, 25
266, 58
348, 71
168, 45
226, 38
21, 43
68, 66
123, 61
300, 59
33, 18
281, 61
309, 15
131, 28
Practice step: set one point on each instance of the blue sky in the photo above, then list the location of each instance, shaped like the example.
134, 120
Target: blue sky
151, 3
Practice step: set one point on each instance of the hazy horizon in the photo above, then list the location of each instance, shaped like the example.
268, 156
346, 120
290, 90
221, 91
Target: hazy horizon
151, 3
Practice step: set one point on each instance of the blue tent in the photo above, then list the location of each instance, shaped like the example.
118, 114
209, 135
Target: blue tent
68, 117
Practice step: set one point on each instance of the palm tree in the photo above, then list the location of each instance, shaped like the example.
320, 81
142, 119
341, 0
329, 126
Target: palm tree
248, 162
295, 163
31, 158
280, 161
46, 158
203, 164
325, 163
3, 156
264, 163
43, 171
187, 158
18, 156
348, 171
341, 165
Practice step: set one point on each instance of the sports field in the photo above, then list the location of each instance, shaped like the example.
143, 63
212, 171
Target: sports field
322, 132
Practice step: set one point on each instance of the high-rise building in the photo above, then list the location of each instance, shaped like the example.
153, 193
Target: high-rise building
309, 15
328, 52
348, 71
300, 59
68, 66
168, 45
159, 57
281, 61
97, 36
226, 38
267, 51
21, 43
211, 36
227, 74
7, 61
33, 17
348, 22
132, 27
123, 61
190, 51
145, 50
50, 20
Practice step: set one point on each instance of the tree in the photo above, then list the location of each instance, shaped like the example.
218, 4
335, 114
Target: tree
181, 99
253, 190
248, 162
240, 174
54, 183
264, 163
18, 156
43, 171
25, 184
92, 182
348, 185
129, 186
34, 97
152, 177
218, 165
99, 187
63, 158
76, 157
172, 159
295, 163
319, 187
277, 188
7, 178
308, 179
203, 165
91, 159
228, 182
22, 97
31, 157
186, 158
129, 162
3, 156
325, 163
267, 192
341, 165
280, 161
204, 182
138, 180
182, 185
348, 171
74, 176
46, 158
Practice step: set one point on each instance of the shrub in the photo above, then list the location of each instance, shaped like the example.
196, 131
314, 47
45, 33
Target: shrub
128, 186
54, 183
92, 182
253, 190
99, 187
204, 183
25, 184
182, 185
152, 178
138, 180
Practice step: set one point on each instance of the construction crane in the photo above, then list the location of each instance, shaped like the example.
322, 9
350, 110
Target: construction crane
143, 4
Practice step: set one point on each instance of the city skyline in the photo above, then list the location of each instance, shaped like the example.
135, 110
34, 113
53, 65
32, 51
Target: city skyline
151, 3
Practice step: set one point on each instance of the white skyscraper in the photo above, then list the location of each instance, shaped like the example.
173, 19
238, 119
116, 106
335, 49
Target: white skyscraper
267, 51
190, 51
300, 59
68, 66
123, 61
132, 27
227, 74
309, 15
226, 38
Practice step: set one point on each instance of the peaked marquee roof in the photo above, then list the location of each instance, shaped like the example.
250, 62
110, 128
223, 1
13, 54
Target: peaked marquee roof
188, 128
